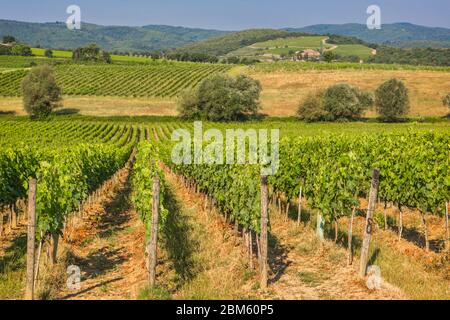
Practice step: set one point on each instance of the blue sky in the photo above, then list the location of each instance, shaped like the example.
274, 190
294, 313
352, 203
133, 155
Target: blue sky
229, 14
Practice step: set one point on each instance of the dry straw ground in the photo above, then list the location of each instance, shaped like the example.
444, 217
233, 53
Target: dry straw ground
282, 91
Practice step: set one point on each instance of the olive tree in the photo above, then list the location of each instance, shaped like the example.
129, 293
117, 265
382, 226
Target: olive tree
392, 100
345, 102
222, 98
446, 100
40, 92
48, 53
311, 108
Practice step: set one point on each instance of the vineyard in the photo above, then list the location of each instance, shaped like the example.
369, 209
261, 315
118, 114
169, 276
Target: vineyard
156, 79
287, 66
322, 186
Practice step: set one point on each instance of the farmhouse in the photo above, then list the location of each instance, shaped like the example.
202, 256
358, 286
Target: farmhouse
308, 55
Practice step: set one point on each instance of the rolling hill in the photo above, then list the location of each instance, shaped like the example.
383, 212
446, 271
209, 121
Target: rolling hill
157, 37
397, 34
237, 40
112, 38
285, 48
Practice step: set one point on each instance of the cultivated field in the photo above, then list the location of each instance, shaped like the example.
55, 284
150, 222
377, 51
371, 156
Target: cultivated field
151, 80
106, 219
151, 89
287, 45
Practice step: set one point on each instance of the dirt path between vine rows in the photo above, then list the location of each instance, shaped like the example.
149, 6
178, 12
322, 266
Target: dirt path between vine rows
108, 246
303, 268
204, 259
198, 258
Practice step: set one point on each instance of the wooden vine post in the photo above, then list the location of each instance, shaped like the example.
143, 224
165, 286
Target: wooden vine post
153, 243
300, 199
369, 222
264, 241
447, 231
31, 239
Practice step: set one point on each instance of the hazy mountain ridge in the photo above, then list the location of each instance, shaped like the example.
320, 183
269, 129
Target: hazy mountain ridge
158, 37
120, 38
396, 34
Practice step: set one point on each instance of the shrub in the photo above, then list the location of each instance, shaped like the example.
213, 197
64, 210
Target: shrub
9, 39
329, 56
40, 92
92, 53
311, 109
345, 102
5, 51
222, 98
21, 50
48, 53
446, 100
188, 104
392, 100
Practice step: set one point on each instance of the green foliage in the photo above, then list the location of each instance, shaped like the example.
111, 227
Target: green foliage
392, 100
91, 53
5, 50
345, 102
339, 40
193, 57
16, 167
243, 60
9, 39
311, 109
21, 50
334, 171
328, 56
395, 34
235, 188
415, 56
289, 66
152, 79
40, 92
446, 100
112, 38
145, 168
233, 41
222, 98
48, 53
67, 179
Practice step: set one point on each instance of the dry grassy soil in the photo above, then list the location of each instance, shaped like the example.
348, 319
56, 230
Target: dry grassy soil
282, 92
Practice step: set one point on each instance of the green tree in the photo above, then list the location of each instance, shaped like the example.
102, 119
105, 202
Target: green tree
40, 92
446, 100
92, 53
392, 100
312, 109
222, 98
5, 50
48, 53
329, 56
345, 102
21, 50
9, 39
188, 104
